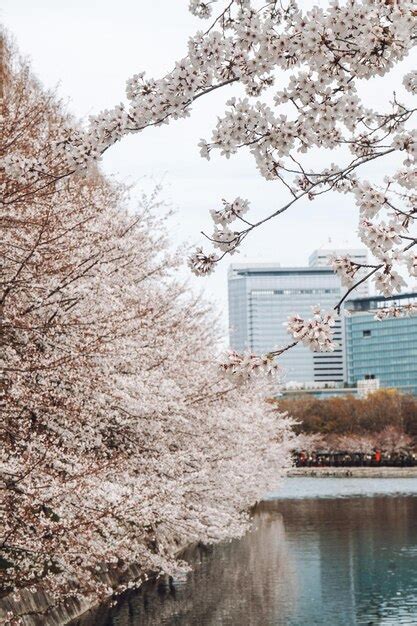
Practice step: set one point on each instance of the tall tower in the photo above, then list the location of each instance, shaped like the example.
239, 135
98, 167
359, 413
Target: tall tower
261, 298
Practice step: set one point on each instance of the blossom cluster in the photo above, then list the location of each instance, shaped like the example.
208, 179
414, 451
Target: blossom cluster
202, 264
230, 212
200, 9
388, 281
369, 199
241, 367
326, 52
411, 262
346, 268
380, 237
315, 333
404, 310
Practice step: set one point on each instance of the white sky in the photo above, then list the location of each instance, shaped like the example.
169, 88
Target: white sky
90, 47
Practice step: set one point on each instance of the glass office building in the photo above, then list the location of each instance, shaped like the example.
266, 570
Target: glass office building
261, 298
385, 349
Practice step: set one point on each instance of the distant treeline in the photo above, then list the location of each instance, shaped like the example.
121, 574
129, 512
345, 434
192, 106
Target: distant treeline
353, 416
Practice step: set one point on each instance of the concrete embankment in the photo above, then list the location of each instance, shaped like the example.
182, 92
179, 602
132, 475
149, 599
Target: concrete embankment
39, 608
356, 472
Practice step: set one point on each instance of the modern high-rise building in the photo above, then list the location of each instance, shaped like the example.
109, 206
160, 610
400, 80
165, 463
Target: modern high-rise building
261, 298
322, 258
381, 349
263, 295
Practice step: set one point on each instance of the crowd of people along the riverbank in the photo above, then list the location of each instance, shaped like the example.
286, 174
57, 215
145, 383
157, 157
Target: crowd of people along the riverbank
377, 458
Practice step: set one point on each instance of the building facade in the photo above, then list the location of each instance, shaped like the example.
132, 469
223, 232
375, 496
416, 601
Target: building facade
384, 350
261, 298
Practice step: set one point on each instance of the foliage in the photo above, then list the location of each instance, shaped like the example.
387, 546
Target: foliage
354, 416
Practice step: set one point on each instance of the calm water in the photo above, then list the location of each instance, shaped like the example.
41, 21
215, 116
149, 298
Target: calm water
341, 558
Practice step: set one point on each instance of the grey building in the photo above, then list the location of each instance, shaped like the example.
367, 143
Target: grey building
382, 349
261, 298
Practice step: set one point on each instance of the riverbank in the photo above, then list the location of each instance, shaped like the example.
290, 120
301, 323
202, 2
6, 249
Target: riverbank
355, 472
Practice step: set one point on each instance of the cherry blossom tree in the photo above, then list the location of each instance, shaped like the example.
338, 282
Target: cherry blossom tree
310, 443
355, 443
121, 441
394, 440
304, 73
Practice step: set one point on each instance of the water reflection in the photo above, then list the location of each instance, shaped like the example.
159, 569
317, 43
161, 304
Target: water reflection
335, 561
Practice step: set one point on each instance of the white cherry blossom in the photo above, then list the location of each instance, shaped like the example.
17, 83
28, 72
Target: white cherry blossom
315, 333
388, 281
404, 310
242, 367
202, 264
411, 262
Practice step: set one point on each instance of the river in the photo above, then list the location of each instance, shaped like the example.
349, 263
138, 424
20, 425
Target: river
325, 551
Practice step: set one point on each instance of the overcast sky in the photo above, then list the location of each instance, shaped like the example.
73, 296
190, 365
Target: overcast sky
89, 48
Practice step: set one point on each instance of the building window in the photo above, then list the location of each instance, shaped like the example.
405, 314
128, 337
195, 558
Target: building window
366, 333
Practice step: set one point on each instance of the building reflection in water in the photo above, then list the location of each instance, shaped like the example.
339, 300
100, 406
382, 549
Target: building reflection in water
340, 561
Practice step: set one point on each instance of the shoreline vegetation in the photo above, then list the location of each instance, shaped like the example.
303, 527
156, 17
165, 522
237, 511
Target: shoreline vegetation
380, 429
